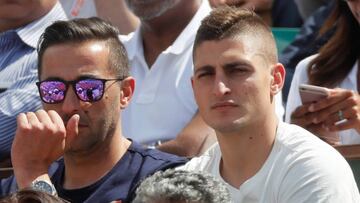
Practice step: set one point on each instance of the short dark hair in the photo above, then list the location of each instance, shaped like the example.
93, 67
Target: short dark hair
182, 186
231, 22
82, 30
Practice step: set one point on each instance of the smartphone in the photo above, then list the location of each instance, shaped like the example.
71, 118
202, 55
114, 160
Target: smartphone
311, 93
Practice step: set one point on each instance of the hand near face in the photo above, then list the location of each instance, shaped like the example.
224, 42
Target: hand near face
325, 114
40, 140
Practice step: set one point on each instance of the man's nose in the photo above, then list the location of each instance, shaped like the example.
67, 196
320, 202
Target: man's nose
71, 103
221, 87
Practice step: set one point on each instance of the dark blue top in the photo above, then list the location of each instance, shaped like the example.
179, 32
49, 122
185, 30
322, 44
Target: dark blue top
119, 184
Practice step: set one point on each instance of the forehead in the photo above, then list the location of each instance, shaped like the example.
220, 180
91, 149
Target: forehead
72, 60
217, 52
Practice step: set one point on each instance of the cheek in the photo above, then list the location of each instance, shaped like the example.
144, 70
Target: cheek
200, 92
55, 107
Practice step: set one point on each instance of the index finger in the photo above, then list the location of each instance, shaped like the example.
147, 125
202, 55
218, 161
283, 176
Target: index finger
300, 111
335, 96
22, 121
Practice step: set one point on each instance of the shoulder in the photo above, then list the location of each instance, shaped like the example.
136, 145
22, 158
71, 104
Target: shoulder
299, 141
312, 168
126, 38
303, 65
205, 162
305, 150
153, 158
7, 186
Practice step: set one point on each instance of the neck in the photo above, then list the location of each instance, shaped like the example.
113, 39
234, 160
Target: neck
245, 151
96, 164
159, 33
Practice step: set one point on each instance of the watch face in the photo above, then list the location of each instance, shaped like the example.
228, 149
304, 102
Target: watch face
43, 186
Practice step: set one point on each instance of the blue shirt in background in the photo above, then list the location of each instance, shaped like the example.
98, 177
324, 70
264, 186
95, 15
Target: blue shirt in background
18, 72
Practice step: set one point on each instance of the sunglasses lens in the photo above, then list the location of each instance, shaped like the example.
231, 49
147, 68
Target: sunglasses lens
90, 89
52, 91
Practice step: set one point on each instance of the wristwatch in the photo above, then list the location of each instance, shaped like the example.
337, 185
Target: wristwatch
44, 186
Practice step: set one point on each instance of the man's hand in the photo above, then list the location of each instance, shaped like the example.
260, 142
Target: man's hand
39, 140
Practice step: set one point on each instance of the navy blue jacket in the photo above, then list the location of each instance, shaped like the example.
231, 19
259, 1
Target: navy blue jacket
119, 184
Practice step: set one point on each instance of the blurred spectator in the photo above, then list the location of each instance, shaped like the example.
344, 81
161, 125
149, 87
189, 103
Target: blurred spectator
114, 11
118, 14
308, 7
261, 7
31, 196
163, 110
21, 24
79, 8
306, 43
285, 14
336, 66
178, 186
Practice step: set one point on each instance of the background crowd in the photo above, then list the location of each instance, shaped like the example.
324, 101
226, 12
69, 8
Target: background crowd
164, 85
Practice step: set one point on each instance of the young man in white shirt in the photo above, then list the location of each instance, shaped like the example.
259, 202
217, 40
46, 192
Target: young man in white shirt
236, 77
163, 108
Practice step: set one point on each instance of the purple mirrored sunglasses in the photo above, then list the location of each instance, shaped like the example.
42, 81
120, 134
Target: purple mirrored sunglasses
86, 89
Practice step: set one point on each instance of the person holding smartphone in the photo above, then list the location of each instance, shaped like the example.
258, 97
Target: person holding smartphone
336, 67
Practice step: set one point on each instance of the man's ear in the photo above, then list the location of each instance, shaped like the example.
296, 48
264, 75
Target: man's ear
278, 78
127, 91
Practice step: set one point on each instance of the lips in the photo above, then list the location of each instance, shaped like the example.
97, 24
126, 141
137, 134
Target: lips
224, 104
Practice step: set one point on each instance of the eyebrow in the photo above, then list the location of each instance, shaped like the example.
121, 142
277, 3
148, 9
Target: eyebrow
77, 78
203, 68
236, 63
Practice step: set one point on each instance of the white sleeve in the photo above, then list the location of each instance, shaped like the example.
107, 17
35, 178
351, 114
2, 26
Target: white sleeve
300, 77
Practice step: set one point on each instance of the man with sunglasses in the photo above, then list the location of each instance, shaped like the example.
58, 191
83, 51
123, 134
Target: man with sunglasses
84, 85
21, 24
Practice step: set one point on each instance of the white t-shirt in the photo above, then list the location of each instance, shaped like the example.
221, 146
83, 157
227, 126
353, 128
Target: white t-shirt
163, 102
300, 168
300, 77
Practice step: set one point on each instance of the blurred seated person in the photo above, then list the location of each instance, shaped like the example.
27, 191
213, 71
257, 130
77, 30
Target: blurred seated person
285, 14
21, 24
163, 112
308, 7
75, 146
178, 186
306, 43
261, 7
114, 11
336, 119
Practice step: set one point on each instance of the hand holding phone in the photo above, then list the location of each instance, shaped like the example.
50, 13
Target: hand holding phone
311, 93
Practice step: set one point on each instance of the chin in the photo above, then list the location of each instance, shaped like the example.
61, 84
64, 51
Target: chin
230, 126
